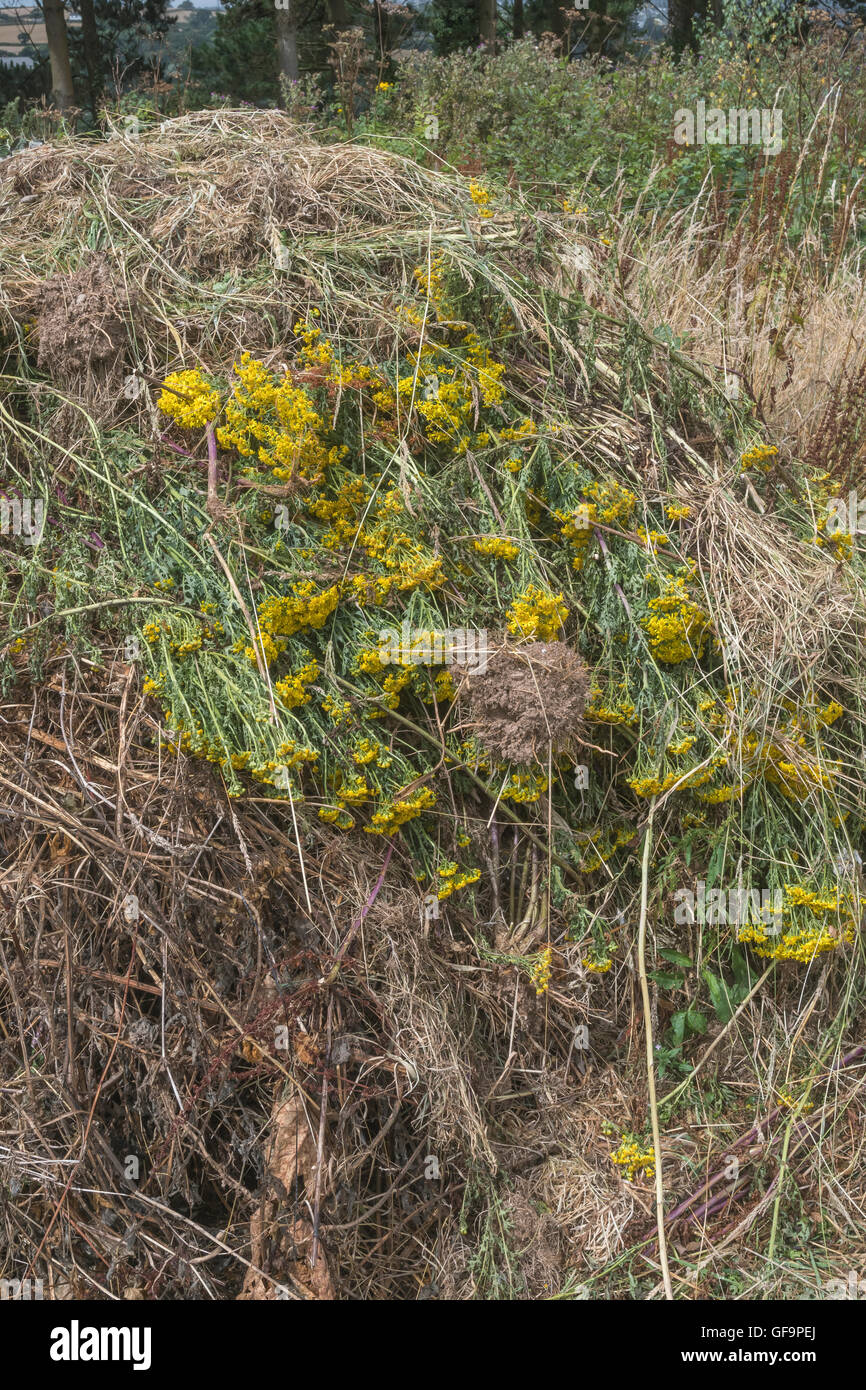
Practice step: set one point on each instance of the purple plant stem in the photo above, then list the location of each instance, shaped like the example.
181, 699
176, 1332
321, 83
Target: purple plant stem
715, 1205
212, 500
494, 843
175, 447
737, 1219
606, 553
754, 1133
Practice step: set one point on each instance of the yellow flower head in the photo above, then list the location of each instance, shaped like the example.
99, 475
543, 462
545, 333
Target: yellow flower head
538, 615
189, 400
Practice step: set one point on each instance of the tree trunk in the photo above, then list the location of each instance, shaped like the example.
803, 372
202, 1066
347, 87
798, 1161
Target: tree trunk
287, 39
681, 17
556, 18
518, 19
487, 21
62, 89
92, 53
337, 14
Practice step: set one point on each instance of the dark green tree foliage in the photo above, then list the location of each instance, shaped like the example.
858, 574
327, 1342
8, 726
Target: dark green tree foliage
92, 51
25, 84
684, 20
123, 24
241, 60
111, 41
453, 24
603, 28
112, 46
546, 17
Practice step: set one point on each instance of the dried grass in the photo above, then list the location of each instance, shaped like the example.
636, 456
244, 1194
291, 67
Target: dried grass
328, 1095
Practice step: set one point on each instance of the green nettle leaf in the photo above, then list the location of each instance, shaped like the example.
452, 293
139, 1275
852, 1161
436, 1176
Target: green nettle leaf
742, 974
716, 863
677, 958
667, 981
678, 1027
719, 996
696, 1021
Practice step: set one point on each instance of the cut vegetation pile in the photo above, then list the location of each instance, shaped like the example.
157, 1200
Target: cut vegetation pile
381, 622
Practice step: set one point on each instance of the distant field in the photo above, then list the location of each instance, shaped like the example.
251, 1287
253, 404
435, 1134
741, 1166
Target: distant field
15, 20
